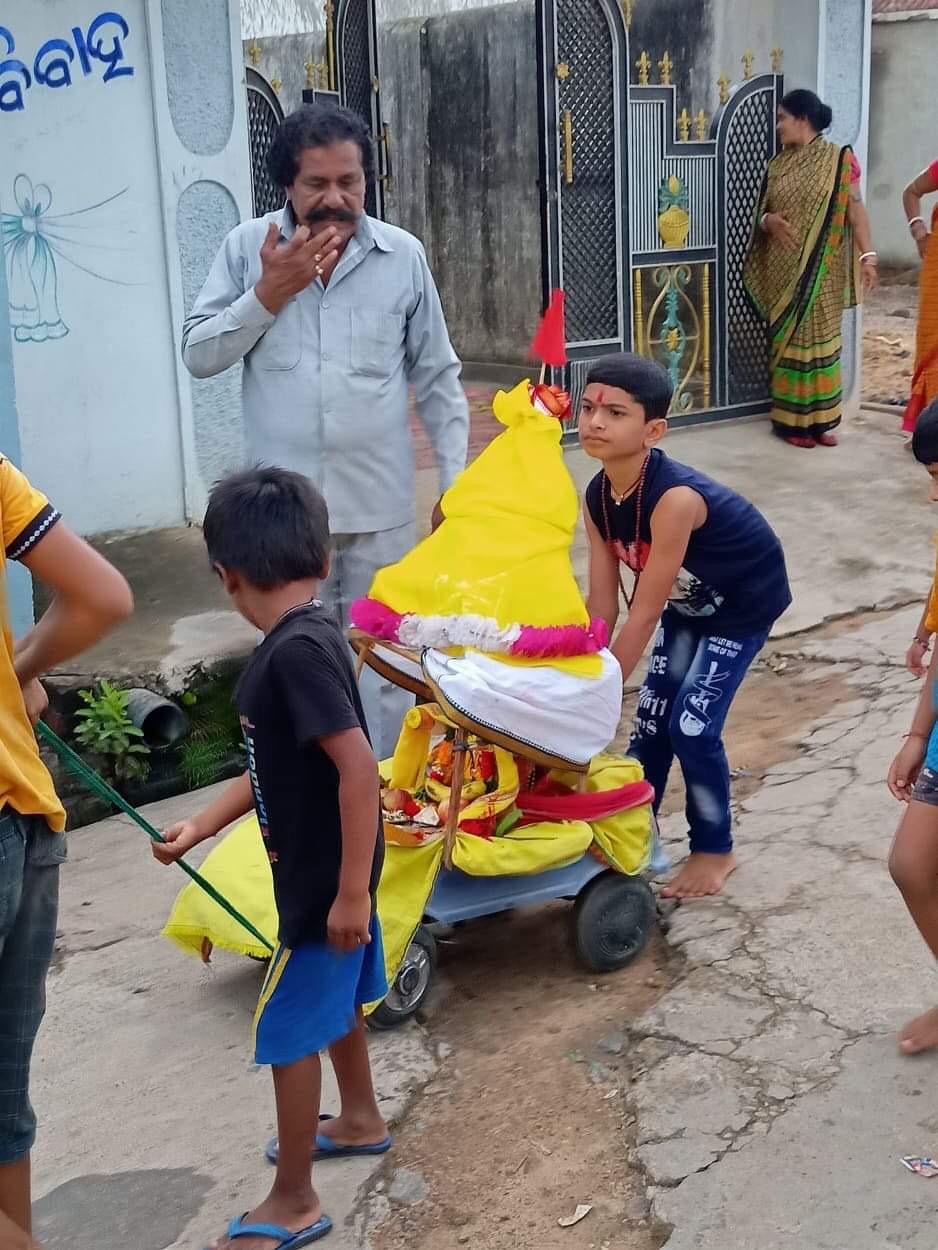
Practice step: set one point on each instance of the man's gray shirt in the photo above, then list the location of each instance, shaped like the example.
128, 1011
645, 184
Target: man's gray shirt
325, 382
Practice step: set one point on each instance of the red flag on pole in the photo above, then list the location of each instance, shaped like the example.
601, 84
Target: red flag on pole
550, 341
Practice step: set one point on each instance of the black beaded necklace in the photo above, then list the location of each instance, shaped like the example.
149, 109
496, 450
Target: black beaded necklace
633, 552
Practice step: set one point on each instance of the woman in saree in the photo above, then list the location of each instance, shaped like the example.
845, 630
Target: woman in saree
925, 375
810, 254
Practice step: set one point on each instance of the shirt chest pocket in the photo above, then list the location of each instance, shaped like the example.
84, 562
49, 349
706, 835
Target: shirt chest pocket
280, 346
376, 342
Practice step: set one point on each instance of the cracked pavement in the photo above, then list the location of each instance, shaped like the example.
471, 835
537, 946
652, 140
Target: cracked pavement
771, 1104
152, 1115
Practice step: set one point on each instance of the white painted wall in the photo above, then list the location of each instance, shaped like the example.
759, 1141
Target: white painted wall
137, 161
99, 415
903, 136
264, 19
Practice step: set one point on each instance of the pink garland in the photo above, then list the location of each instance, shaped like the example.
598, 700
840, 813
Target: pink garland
534, 642
376, 619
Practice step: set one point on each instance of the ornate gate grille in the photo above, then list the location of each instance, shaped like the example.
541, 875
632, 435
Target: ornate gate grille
645, 227
748, 141
588, 203
264, 116
356, 56
584, 105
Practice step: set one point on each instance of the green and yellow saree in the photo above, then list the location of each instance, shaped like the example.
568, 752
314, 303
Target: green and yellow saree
802, 292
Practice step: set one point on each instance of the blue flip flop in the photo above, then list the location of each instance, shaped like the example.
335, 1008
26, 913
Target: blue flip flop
285, 1239
326, 1149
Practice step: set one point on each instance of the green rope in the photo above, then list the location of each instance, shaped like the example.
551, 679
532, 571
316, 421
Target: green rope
100, 787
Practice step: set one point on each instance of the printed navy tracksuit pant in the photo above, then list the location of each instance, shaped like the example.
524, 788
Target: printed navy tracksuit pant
682, 707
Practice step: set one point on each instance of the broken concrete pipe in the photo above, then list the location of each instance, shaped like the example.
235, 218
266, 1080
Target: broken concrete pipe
162, 723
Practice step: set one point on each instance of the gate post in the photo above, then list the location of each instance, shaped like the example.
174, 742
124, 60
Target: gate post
583, 54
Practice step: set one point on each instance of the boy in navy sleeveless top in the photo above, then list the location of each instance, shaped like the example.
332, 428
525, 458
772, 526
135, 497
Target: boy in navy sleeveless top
709, 574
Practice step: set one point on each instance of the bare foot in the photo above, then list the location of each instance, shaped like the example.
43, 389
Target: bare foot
346, 1130
797, 441
293, 1217
700, 876
920, 1034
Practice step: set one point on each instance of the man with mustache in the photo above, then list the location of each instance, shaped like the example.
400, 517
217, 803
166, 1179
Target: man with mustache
334, 315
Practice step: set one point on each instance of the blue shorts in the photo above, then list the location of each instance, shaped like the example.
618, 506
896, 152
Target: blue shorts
311, 997
30, 854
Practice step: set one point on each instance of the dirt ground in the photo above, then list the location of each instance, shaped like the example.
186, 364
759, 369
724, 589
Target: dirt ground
528, 1117
525, 1120
889, 339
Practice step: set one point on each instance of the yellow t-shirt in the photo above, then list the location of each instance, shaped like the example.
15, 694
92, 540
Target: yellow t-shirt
931, 620
25, 785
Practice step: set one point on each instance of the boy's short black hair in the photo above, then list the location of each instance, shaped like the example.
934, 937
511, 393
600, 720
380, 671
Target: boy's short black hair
316, 126
925, 438
645, 380
269, 525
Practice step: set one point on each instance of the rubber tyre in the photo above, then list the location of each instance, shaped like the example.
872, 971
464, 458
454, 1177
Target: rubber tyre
411, 985
612, 919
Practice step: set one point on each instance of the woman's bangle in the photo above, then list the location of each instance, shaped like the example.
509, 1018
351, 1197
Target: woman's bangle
916, 221
924, 737
762, 221
869, 258
925, 643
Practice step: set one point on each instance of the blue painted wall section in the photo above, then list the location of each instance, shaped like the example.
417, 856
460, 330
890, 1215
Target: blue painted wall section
19, 590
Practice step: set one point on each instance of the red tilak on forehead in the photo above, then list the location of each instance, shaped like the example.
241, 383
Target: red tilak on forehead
601, 395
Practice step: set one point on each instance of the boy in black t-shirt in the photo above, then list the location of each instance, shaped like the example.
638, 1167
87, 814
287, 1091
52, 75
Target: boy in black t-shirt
313, 781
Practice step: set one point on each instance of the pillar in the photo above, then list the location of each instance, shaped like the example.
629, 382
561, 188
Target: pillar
19, 595
827, 47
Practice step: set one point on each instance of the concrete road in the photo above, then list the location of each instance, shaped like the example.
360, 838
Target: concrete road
772, 1107
153, 1117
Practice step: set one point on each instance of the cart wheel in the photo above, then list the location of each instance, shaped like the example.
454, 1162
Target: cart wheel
612, 919
411, 984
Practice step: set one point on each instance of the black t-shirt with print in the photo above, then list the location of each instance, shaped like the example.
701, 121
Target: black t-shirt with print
298, 689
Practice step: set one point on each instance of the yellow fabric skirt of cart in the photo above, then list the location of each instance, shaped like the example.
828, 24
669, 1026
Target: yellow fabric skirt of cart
428, 875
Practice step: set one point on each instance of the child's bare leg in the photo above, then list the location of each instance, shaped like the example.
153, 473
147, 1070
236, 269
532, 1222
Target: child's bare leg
15, 1192
360, 1122
292, 1202
913, 863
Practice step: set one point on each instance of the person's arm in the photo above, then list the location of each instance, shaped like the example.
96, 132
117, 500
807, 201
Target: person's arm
905, 768
313, 687
672, 523
433, 370
234, 802
359, 810
602, 599
89, 597
921, 641
925, 184
228, 318
859, 220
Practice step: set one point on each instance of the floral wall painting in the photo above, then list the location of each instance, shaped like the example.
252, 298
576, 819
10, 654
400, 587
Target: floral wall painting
37, 242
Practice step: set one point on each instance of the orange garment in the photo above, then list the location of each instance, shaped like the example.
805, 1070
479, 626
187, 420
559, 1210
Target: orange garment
924, 386
25, 784
931, 618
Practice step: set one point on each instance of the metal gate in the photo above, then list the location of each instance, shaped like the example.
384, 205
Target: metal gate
356, 58
264, 116
348, 73
644, 226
